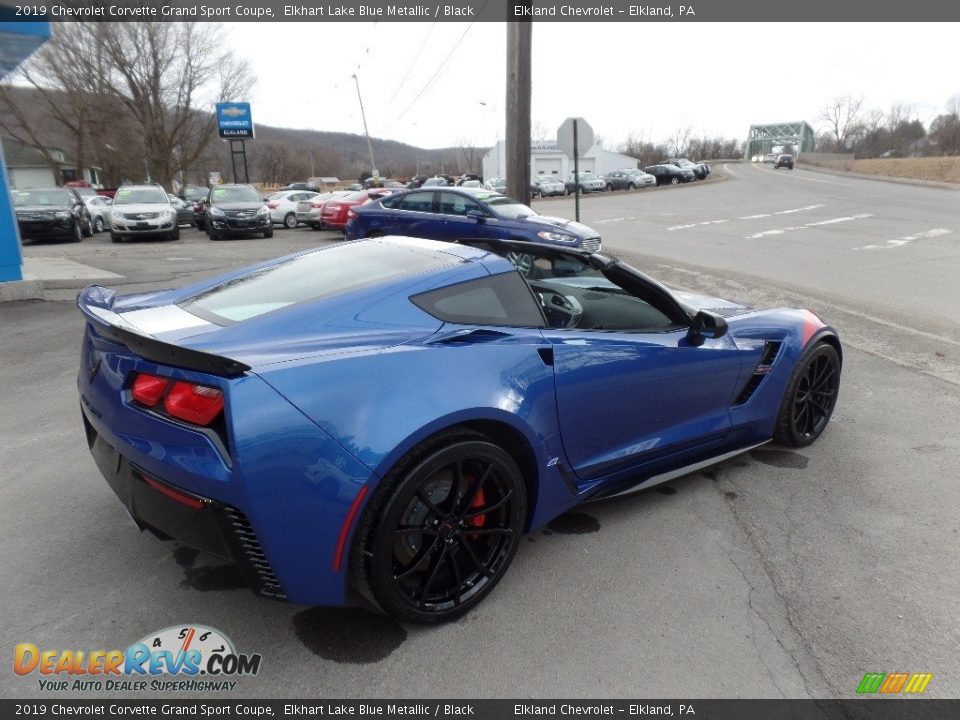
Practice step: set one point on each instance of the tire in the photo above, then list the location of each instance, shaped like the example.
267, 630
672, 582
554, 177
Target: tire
214, 234
810, 397
290, 221
88, 228
201, 226
631, 186
674, 180
175, 235
267, 234
114, 237
442, 530
609, 187
98, 225
77, 232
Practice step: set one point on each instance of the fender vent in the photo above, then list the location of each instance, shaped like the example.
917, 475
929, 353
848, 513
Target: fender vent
771, 349
257, 566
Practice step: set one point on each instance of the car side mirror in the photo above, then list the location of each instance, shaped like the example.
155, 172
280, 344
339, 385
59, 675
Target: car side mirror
476, 215
706, 324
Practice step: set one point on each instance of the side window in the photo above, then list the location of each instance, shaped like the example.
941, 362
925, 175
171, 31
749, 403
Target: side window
455, 204
503, 300
416, 202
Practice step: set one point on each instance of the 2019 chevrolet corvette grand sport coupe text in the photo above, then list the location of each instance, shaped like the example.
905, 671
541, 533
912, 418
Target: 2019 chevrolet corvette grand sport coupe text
389, 416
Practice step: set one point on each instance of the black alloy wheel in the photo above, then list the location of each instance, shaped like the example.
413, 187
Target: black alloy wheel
810, 397
447, 533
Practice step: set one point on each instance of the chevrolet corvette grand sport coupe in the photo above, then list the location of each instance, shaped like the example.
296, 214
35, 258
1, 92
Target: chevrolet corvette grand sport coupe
383, 419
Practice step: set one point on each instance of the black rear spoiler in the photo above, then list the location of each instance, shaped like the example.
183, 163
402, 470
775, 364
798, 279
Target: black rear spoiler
95, 302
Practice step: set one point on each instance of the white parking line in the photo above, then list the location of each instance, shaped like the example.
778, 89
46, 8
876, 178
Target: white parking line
742, 217
831, 221
900, 242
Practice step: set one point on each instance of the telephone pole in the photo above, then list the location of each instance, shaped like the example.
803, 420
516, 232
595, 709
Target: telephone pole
519, 37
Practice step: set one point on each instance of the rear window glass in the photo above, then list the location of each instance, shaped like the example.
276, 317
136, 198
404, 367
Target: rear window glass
503, 300
313, 276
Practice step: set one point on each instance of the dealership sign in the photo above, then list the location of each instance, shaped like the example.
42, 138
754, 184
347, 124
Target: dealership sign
234, 121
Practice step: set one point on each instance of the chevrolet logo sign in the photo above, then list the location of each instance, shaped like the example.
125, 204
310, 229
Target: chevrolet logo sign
233, 112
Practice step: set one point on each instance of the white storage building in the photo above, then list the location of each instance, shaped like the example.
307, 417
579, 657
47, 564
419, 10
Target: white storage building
546, 158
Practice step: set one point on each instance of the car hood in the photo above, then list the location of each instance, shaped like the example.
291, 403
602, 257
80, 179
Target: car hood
724, 308
569, 226
239, 205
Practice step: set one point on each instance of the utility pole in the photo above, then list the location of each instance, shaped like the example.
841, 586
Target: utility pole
519, 36
373, 165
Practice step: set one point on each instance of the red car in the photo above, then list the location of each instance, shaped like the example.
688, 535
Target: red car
336, 211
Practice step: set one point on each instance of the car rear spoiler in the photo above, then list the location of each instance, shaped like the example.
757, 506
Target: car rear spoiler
96, 303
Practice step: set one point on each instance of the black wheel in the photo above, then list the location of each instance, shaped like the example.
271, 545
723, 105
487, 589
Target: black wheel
631, 186
114, 237
290, 221
674, 180
268, 233
201, 226
446, 533
175, 235
214, 234
77, 232
88, 227
609, 187
810, 397
98, 225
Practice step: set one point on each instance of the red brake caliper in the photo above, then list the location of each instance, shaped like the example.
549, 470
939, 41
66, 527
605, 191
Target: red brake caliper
478, 502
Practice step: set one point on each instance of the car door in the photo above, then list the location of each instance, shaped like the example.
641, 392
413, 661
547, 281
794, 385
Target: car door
635, 390
409, 214
455, 223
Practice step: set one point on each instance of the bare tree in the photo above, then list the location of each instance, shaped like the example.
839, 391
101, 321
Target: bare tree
167, 76
842, 117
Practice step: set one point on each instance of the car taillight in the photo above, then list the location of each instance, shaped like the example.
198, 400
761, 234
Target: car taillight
316, 205
197, 404
351, 214
272, 205
148, 389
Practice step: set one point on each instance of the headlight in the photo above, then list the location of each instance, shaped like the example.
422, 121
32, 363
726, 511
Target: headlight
556, 237
63, 214
215, 211
116, 215
263, 211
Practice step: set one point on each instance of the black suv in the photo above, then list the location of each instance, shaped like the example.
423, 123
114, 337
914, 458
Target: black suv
236, 210
52, 213
784, 161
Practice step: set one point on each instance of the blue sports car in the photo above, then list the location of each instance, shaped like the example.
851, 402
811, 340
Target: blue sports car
391, 415
457, 213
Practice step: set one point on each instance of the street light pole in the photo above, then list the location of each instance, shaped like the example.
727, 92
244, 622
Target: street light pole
373, 165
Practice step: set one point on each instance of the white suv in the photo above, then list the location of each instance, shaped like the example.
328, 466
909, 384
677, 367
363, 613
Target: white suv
143, 211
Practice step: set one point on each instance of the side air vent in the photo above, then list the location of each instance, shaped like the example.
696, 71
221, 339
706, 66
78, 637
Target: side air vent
257, 564
771, 349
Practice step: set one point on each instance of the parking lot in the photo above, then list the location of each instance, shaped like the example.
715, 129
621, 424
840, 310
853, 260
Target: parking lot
778, 573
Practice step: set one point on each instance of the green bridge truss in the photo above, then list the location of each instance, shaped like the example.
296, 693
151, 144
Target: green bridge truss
763, 138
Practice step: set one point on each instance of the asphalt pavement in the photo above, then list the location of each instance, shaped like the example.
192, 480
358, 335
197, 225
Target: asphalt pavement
779, 573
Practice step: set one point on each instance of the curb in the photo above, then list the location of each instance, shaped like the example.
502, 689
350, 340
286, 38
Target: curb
880, 178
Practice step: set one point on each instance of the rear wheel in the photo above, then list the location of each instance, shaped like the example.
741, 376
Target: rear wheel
674, 180
290, 221
810, 397
446, 533
631, 186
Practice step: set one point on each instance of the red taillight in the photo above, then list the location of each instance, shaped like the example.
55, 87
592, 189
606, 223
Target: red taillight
196, 404
148, 389
272, 205
316, 205
351, 214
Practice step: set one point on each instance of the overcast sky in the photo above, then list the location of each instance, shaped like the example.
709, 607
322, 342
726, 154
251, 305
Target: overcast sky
423, 83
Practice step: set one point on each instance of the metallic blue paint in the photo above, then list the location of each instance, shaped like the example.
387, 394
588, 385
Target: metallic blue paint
342, 388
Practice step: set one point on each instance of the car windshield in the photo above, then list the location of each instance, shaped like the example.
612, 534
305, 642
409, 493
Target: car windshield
194, 193
240, 193
138, 196
53, 197
509, 208
312, 276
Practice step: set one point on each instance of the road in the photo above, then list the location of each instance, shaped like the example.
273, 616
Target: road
776, 574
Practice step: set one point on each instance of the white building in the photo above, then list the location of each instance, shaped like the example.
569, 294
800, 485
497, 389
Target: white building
546, 158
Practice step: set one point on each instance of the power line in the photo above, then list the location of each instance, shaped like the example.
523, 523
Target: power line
439, 69
412, 64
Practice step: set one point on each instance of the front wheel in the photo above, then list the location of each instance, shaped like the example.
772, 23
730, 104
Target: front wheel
674, 180
268, 233
446, 533
76, 234
810, 397
98, 225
